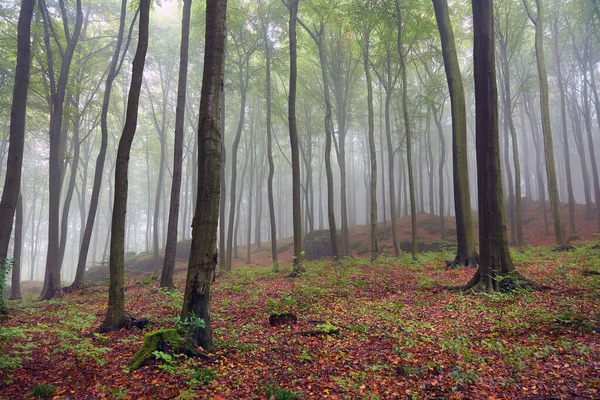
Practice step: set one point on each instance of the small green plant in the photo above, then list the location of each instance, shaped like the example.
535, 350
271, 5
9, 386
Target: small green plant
327, 328
276, 392
192, 322
43, 391
202, 377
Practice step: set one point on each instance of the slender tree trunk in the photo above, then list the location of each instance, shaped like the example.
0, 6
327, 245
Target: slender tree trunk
251, 149
591, 141
115, 314
538, 21
539, 160
563, 119
372, 148
381, 151
53, 266
272, 222
392, 184
438, 123
293, 131
234, 151
100, 160
578, 134
411, 179
166, 279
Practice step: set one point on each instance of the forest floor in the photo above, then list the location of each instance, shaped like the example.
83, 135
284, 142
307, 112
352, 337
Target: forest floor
390, 329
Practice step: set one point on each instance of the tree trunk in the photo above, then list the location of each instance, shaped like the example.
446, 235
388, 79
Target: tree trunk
14, 161
563, 119
100, 160
15, 286
115, 314
538, 21
578, 134
53, 266
516, 213
293, 131
437, 118
166, 279
590, 139
494, 261
243, 82
202, 264
528, 105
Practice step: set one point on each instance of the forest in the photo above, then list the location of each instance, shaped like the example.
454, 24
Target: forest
298, 199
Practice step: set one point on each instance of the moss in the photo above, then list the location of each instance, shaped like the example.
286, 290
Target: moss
165, 340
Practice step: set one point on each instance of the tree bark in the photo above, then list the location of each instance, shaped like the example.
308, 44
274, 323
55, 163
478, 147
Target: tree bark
166, 279
55, 176
115, 314
563, 119
272, 222
298, 266
14, 161
466, 255
494, 261
538, 21
201, 270
100, 160
15, 286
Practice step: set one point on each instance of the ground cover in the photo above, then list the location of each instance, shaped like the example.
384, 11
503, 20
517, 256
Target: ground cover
392, 329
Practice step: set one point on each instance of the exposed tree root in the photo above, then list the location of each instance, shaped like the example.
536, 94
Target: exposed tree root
513, 282
461, 262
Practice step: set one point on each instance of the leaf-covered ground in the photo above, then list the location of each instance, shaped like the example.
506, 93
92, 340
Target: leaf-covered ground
382, 331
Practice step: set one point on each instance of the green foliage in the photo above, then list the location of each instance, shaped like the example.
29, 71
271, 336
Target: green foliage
191, 323
43, 391
327, 328
276, 392
202, 377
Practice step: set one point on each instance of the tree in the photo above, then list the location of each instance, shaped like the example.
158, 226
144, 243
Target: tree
244, 46
14, 161
372, 149
114, 68
466, 255
268, 50
166, 279
317, 33
495, 262
292, 6
538, 22
509, 38
115, 314
58, 91
201, 268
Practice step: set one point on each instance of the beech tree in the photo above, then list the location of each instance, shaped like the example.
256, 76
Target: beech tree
466, 255
115, 315
14, 162
202, 263
495, 262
